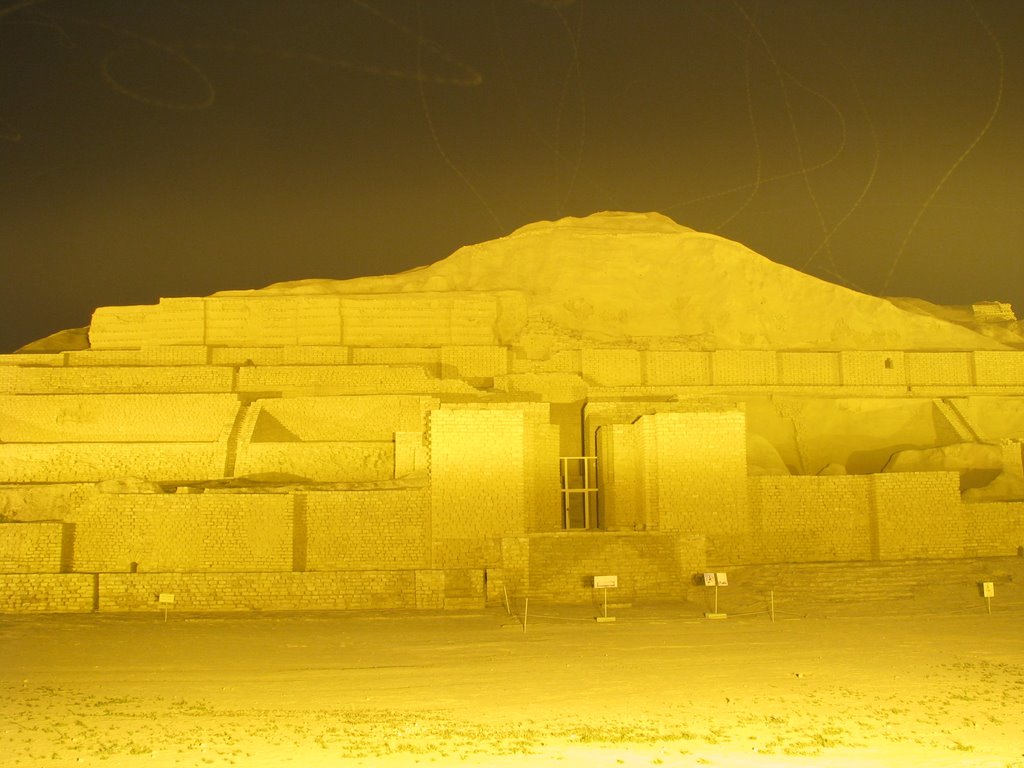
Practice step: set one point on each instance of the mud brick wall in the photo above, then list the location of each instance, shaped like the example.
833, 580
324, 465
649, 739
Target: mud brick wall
47, 592
621, 499
920, 515
272, 321
677, 367
356, 462
93, 462
999, 368
367, 530
564, 361
48, 359
862, 369
290, 355
821, 588
31, 547
809, 519
474, 362
427, 357
101, 380
115, 418
344, 418
42, 502
612, 367
649, 565
809, 368
183, 532
730, 367
543, 483
925, 368
478, 485
352, 379
343, 590
174, 356
419, 319
119, 327
695, 476
993, 528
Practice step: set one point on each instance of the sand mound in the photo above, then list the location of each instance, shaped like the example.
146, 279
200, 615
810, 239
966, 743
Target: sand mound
617, 277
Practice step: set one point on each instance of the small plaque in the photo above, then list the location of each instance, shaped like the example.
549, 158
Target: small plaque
165, 598
606, 582
722, 579
709, 579
988, 589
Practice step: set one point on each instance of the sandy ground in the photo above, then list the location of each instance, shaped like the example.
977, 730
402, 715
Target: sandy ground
659, 686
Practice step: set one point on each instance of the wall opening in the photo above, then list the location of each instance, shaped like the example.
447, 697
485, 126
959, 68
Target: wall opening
579, 492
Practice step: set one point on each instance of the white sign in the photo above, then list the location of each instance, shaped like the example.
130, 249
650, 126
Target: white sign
165, 597
606, 582
723, 580
988, 589
709, 579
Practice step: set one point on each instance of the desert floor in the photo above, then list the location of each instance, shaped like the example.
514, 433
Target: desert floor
659, 686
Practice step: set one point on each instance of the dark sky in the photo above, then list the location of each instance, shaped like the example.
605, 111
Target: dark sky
156, 148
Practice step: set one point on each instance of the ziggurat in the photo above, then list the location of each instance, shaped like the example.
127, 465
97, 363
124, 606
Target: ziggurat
415, 444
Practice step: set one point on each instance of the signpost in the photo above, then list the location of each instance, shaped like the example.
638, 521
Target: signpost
716, 580
166, 600
988, 591
605, 583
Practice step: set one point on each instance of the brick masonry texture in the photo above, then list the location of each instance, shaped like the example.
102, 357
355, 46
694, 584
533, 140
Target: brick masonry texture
423, 457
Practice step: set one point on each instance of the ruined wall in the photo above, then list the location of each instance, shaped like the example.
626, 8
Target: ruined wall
47, 592
695, 476
649, 565
183, 532
919, 515
478, 484
809, 519
45, 380
366, 530
31, 547
187, 418
93, 462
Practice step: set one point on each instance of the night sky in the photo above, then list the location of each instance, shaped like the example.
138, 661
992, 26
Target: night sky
156, 148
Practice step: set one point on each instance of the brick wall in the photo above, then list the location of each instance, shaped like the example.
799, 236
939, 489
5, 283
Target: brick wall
612, 367
351, 379
478, 486
47, 592
348, 590
290, 355
809, 368
808, 519
419, 319
925, 368
649, 565
678, 367
919, 515
861, 369
355, 418
31, 547
999, 368
350, 462
695, 475
93, 462
474, 362
730, 367
367, 530
153, 356
101, 380
115, 418
183, 532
